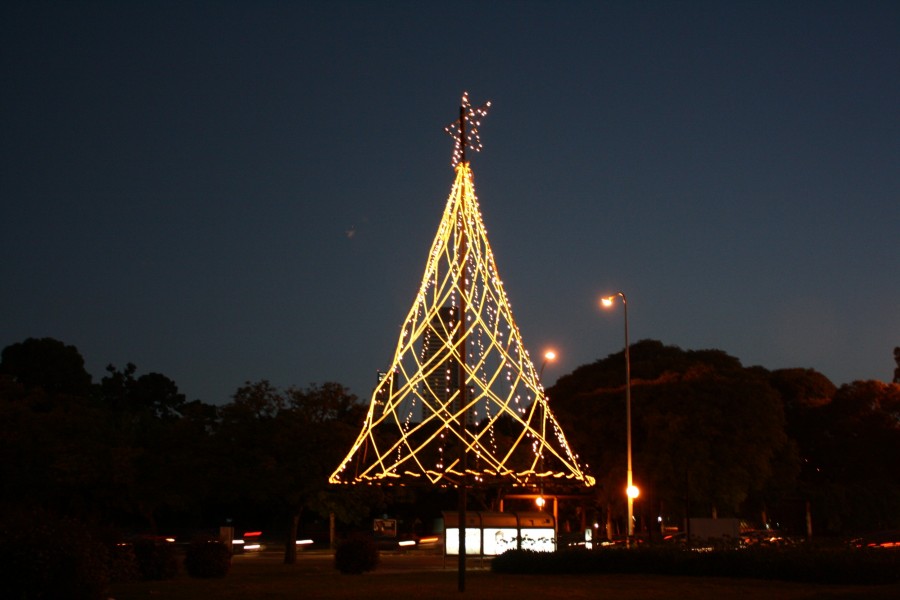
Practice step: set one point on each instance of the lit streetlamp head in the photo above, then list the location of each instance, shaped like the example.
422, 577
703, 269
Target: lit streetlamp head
609, 301
632, 492
549, 356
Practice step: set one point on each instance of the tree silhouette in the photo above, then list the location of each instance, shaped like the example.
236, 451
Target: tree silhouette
46, 363
706, 431
897, 360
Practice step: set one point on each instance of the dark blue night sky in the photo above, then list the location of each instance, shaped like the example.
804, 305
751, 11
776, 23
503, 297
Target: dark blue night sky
232, 191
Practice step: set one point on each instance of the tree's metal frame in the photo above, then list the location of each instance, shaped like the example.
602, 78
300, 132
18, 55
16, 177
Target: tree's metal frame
475, 379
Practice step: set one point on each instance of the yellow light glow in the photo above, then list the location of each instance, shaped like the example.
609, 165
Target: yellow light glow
607, 301
540, 502
501, 380
550, 355
632, 492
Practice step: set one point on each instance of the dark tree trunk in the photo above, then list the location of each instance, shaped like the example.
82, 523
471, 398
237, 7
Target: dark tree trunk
290, 542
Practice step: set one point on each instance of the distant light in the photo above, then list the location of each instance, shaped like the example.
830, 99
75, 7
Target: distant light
607, 301
304, 542
406, 543
252, 533
633, 491
252, 547
428, 540
550, 355
540, 501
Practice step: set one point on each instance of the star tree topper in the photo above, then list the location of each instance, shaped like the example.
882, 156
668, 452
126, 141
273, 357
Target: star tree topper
465, 129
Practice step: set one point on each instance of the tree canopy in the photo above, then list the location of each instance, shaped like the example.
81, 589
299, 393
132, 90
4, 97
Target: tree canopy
709, 435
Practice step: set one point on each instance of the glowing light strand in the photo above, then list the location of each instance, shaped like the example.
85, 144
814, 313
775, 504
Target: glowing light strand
472, 117
392, 446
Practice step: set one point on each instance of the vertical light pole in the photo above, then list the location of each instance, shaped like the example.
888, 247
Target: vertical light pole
630, 490
461, 368
549, 356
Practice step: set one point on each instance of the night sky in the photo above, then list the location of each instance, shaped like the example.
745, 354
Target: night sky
233, 191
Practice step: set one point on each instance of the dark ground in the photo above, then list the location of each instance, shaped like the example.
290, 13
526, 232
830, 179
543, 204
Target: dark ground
419, 575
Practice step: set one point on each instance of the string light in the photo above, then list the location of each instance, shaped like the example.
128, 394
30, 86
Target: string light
501, 380
471, 117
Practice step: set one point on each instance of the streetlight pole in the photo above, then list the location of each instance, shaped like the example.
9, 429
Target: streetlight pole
549, 356
630, 490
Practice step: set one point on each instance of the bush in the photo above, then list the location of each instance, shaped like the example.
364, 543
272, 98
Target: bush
155, 560
44, 556
855, 567
207, 559
123, 564
356, 554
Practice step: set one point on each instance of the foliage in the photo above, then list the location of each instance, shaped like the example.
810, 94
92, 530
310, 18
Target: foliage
156, 560
897, 369
849, 446
283, 445
207, 559
708, 433
48, 364
356, 554
151, 395
123, 564
705, 430
820, 565
45, 556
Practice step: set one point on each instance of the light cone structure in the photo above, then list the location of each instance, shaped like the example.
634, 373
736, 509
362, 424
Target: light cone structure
462, 399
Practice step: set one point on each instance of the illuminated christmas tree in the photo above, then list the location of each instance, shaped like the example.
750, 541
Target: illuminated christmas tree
462, 399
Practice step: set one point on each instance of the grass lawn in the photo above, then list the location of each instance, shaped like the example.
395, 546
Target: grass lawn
416, 576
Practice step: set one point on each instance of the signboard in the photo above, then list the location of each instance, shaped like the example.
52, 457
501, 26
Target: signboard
385, 528
498, 540
539, 540
473, 541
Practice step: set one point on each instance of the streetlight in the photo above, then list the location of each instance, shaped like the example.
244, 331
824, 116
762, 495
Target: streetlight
549, 356
630, 490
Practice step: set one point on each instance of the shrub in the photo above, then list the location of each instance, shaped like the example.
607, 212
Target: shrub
156, 561
207, 559
123, 564
356, 554
786, 564
44, 556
